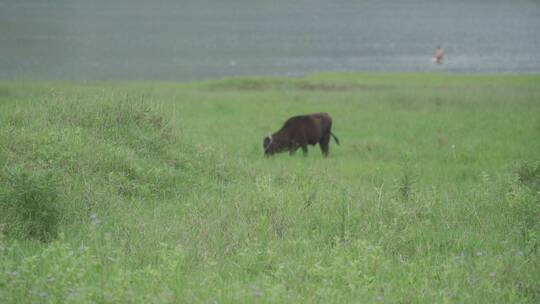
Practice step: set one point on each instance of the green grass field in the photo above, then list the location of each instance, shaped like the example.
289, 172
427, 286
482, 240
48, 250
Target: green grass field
159, 192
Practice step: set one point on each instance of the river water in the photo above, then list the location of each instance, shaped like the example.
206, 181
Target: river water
192, 40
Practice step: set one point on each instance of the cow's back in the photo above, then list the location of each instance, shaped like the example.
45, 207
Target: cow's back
309, 127
323, 120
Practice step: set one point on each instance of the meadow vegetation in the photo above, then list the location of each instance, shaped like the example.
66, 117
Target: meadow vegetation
159, 192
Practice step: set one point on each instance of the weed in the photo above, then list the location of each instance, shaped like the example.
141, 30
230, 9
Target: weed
30, 204
529, 174
406, 183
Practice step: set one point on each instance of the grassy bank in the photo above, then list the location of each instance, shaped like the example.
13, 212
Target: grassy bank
159, 192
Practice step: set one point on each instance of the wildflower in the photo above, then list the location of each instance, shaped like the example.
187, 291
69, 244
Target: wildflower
256, 291
94, 219
72, 291
492, 274
12, 273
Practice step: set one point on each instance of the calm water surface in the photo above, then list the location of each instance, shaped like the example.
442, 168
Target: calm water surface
190, 40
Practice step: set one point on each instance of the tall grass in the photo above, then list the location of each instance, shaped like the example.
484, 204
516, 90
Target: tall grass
159, 193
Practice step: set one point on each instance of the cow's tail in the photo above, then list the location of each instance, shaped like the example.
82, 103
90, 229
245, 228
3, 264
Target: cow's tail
335, 138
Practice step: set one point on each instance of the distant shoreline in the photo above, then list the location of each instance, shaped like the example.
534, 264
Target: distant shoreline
277, 77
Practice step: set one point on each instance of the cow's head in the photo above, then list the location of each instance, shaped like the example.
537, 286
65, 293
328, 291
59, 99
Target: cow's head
268, 146
275, 144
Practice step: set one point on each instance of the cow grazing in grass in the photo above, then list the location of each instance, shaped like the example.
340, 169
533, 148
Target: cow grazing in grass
299, 132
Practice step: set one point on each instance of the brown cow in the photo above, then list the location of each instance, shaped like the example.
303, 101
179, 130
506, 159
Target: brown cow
298, 132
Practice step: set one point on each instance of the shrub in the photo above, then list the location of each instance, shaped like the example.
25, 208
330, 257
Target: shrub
28, 204
529, 174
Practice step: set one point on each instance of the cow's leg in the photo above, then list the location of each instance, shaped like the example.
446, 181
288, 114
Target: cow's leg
324, 145
304, 149
292, 151
303, 143
293, 147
